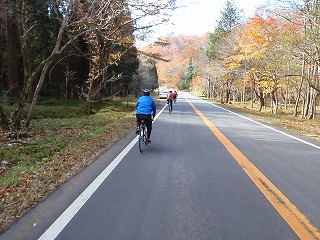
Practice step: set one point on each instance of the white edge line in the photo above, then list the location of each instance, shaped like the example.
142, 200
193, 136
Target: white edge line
286, 134
53, 231
59, 224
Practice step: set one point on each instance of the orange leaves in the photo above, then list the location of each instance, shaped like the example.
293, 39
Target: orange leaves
179, 50
260, 49
259, 36
197, 82
256, 37
176, 79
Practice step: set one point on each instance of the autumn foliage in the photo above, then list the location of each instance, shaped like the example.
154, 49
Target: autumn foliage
178, 52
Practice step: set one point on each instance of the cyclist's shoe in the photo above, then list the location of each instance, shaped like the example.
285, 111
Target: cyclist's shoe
148, 140
137, 130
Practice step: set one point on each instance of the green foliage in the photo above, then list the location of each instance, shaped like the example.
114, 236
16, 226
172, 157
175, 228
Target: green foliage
149, 75
230, 17
3, 96
215, 40
191, 73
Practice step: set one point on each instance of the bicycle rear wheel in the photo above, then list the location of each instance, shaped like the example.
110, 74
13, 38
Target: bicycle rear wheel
142, 140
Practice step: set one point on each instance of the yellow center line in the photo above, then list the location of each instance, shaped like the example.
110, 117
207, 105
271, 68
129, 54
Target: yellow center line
299, 223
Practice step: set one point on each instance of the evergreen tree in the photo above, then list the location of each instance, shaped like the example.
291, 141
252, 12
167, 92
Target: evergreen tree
230, 17
190, 75
215, 39
149, 74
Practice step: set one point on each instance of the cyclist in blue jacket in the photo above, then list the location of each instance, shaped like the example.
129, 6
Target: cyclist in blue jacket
145, 110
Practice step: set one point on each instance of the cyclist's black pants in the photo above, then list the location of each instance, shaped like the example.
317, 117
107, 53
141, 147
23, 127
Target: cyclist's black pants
148, 121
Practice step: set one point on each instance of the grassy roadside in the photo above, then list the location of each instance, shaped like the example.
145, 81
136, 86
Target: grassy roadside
61, 141
284, 118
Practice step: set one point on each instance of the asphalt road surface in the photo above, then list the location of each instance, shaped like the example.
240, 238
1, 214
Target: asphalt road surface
208, 174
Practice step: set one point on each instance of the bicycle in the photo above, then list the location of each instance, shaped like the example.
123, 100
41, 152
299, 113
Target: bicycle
142, 135
170, 106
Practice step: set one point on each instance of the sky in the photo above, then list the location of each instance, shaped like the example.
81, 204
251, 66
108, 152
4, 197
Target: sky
199, 16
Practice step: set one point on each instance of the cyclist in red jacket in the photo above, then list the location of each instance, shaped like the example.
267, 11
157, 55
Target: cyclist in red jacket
170, 99
175, 95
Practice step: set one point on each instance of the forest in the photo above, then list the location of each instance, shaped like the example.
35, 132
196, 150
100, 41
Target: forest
271, 58
71, 49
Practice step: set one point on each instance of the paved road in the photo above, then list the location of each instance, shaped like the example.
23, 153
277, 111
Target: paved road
208, 174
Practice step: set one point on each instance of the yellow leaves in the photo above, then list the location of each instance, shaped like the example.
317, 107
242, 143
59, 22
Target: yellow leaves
125, 41
198, 82
229, 77
256, 54
267, 86
259, 48
233, 65
114, 58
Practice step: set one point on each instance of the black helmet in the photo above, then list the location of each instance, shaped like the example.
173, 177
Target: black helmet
146, 92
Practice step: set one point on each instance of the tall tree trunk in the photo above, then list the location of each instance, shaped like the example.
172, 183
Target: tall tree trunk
43, 67
227, 92
261, 99
252, 91
3, 120
12, 59
36, 93
209, 87
274, 101
313, 92
221, 94
27, 68
296, 105
286, 99
312, 105
308, 95
306, 103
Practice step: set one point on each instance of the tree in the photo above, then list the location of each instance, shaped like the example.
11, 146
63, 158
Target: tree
251, 45
263, 50
311, 53
150, 74
105, 25
107, 44
230, 18
190, 74
215, 41
220, 43
12, 53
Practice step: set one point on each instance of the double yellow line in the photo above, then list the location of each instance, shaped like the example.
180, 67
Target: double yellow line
300, 224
